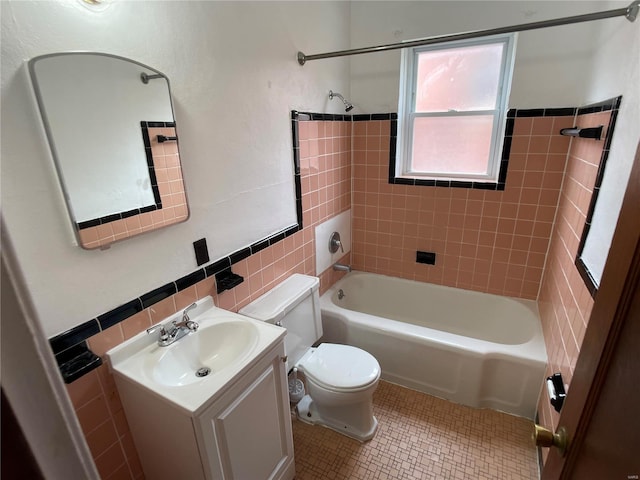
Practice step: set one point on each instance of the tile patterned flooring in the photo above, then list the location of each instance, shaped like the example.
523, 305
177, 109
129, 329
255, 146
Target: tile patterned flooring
420, 437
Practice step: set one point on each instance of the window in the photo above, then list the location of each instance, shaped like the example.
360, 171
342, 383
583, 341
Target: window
453, 101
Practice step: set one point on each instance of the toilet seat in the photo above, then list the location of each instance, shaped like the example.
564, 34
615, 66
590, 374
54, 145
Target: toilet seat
340, 368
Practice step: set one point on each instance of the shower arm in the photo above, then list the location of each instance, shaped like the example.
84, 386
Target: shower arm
334, 94
630, 13
347, 104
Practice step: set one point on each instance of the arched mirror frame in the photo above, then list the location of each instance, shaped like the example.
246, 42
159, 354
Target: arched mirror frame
161, 149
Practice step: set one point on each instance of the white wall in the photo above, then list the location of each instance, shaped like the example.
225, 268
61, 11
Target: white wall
616, 71
550, 63
234, 79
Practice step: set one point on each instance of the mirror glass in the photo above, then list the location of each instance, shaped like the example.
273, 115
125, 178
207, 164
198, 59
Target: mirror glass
593, 151
110, 125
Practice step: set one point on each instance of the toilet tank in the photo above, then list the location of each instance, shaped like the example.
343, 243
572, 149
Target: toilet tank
295, 305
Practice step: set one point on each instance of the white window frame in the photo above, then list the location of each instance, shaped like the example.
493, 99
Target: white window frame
407, 115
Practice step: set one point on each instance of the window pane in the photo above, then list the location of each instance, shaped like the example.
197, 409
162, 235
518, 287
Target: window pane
460, 79
452, 145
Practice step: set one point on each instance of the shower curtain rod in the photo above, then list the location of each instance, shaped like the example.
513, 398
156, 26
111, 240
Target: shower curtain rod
630, 13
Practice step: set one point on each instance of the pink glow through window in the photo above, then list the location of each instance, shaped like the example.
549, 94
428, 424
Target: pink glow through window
453, 109
456, 145
461, 79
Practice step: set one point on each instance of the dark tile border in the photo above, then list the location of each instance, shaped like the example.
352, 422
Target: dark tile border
75, 335
612, 104
311, 116
120, 313
542, 112
147, 150
68, 339
151, 298
375, 116
190, 280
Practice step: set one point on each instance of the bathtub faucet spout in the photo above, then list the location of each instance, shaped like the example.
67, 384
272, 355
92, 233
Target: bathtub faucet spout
341, 268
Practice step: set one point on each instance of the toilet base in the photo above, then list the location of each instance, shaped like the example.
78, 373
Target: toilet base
308, 413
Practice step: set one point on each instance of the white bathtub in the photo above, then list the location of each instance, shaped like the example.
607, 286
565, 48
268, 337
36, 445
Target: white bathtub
472, 348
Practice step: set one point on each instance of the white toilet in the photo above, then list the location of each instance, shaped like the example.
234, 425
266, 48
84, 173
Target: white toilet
340, 379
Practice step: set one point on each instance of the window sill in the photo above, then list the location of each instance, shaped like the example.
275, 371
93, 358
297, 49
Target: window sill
422, 182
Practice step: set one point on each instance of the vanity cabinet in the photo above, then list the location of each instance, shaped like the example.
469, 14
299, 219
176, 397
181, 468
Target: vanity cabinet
246, 434
243, 433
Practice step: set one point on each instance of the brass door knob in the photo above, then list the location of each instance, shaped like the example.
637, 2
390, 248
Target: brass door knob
546, 438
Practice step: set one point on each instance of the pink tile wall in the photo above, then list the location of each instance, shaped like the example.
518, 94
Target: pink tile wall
489, 241
325, 164
565, 303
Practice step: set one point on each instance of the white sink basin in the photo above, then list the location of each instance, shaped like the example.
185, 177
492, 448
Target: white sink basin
207, 352
222, 349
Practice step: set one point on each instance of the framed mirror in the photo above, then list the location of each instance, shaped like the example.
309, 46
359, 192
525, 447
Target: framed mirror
593, 151
110, 125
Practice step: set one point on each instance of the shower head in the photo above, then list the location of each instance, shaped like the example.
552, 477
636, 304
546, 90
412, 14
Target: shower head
347, 105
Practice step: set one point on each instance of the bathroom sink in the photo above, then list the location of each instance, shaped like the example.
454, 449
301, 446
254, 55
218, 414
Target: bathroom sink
206, 352
191, 371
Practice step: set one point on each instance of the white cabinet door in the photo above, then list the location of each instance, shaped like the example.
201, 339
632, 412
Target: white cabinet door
247, 433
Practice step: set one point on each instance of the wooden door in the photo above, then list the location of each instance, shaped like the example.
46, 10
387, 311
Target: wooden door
602, 409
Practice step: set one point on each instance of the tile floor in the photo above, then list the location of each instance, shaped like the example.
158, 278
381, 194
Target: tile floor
420, 437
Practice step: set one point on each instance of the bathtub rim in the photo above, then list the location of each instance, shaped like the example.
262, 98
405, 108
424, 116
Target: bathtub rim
533, 350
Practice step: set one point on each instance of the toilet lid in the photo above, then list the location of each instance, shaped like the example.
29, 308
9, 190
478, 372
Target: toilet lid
342, 366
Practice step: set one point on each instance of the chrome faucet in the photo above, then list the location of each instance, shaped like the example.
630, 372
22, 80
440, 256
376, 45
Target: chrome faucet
186, 321
176, 330
341, 268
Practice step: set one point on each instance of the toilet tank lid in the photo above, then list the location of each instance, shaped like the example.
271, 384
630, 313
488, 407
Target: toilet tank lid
280, 300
